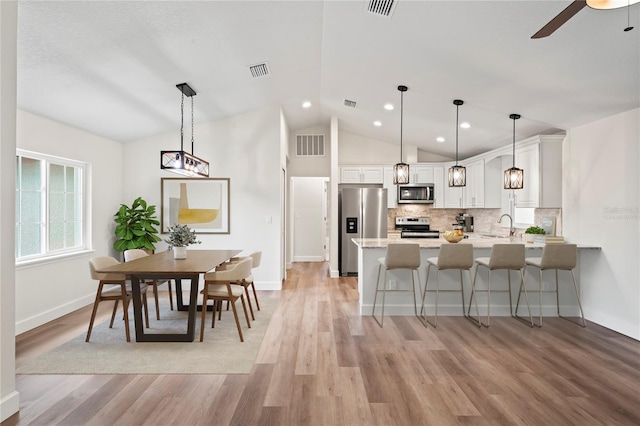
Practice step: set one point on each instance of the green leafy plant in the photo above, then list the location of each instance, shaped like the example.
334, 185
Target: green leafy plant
534, 230
136, 227
181, 236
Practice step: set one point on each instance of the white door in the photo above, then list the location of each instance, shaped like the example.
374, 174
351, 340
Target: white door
307, 205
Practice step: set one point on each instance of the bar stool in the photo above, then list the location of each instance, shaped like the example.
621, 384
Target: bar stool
451, 256
561, 257
503, 256
398, 256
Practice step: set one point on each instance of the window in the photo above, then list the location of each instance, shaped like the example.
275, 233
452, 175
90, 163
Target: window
50, 206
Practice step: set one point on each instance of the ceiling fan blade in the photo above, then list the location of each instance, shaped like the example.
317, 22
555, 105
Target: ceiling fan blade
562, 17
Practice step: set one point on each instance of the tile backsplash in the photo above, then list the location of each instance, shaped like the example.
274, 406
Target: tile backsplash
485, 220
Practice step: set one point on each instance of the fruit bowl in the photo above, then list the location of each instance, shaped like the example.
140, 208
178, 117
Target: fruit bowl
453, 236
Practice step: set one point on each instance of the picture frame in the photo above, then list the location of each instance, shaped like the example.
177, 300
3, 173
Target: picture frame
201, 203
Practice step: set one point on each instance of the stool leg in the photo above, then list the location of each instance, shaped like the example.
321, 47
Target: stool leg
375, 297
462, 290
476, 320
575, 287
384, 296
413, 286
540, 294
510, 301
526, 296
488, 299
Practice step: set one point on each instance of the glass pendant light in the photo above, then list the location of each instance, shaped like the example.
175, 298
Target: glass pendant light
401, 170
182, 162
514, 177
457, 173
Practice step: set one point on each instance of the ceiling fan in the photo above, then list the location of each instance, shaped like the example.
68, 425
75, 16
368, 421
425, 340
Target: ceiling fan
575, 7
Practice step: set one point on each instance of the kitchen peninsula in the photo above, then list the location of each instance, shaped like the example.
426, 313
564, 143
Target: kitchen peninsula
371, 249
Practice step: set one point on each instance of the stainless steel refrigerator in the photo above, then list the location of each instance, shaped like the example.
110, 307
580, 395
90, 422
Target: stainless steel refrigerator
363, 214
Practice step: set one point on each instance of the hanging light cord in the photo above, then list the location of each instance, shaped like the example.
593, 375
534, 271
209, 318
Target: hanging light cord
192, 126
629, 27
457, 111
401, 115
182, 124
514, 141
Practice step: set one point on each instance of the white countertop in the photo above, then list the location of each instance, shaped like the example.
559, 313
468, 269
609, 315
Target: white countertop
477, 241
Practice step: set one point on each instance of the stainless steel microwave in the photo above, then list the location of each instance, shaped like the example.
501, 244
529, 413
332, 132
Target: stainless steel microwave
421, 193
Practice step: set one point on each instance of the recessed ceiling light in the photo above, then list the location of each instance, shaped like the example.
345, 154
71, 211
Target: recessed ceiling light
377, 123
440, 139
465, 125
388, 107
306, 104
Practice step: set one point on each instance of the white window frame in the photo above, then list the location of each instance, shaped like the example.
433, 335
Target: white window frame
45, 254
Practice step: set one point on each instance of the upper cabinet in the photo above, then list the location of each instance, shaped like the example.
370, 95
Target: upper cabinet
473, 192
420, 174
542, 165
361, 174
484, 183
392, 189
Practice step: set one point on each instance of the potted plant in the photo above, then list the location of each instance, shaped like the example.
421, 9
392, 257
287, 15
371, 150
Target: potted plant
136, 226
530, 232
180, 236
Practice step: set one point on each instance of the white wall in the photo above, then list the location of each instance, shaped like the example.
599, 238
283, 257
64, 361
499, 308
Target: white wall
356, 149
50, 290
601, 207
245, 148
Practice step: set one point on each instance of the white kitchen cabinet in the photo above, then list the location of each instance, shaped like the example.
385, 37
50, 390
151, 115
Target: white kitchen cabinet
392, 189
438, 187
361, 174
473, 192
420, 174
542, 165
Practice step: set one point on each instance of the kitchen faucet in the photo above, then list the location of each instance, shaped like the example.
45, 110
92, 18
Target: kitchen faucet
512, 230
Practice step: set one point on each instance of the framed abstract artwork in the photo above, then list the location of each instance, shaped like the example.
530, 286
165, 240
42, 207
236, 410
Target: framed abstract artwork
201, 203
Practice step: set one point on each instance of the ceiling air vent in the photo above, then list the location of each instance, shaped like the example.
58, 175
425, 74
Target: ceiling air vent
310, 145
381, 7
259, 70
350, 104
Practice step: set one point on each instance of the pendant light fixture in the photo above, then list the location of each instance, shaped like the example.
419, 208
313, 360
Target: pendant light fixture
182, 162
457, 174
514, 177
401, 170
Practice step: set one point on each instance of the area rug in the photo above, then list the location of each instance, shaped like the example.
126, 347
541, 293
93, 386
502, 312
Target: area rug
109, 353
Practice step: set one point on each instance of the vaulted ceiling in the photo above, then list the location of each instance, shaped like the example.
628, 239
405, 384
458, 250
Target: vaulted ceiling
110, 67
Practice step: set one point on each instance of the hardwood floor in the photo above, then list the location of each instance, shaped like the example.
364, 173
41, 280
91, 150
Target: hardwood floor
322, 364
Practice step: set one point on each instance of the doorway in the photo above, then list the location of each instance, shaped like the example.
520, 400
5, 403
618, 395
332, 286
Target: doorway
309, 218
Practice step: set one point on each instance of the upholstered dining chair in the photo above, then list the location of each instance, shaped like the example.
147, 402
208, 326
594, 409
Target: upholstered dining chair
247, 282
113, 286
398, 256
133, 254
218, 286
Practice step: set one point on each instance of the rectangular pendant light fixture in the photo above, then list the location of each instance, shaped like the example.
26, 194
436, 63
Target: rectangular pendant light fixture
182, 162
514, 177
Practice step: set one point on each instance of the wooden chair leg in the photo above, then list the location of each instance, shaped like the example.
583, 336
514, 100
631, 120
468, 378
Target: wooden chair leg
204, 313
93, 313
217, 304
255, 296
113, 314
245, 311
246, 292
235, 315
125, 304
155, 296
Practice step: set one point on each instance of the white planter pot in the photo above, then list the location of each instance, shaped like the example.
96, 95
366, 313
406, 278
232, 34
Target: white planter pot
529, 238
179, 252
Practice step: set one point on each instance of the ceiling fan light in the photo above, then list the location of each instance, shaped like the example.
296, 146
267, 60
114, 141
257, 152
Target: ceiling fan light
610, 4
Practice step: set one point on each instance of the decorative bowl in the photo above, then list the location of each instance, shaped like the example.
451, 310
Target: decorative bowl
452, 237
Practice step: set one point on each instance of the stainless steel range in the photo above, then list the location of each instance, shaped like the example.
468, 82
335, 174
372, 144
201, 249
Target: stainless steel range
415, 227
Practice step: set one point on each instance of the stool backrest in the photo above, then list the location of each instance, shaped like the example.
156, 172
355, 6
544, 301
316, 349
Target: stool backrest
402, 256
102, 262
455, 256
559, 256
507, 256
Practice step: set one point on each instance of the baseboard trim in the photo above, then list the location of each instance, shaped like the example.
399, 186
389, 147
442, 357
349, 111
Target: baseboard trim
9, 405
52, 314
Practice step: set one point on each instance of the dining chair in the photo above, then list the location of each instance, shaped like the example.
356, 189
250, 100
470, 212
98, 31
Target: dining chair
451, 257
398, 256
218, 286
558, 257
113, 286
133, 254
509, 257
248, 281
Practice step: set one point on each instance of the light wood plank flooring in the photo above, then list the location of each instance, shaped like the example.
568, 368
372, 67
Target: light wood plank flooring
322, 364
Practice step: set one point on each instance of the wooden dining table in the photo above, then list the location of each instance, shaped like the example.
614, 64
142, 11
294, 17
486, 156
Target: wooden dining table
163, 266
